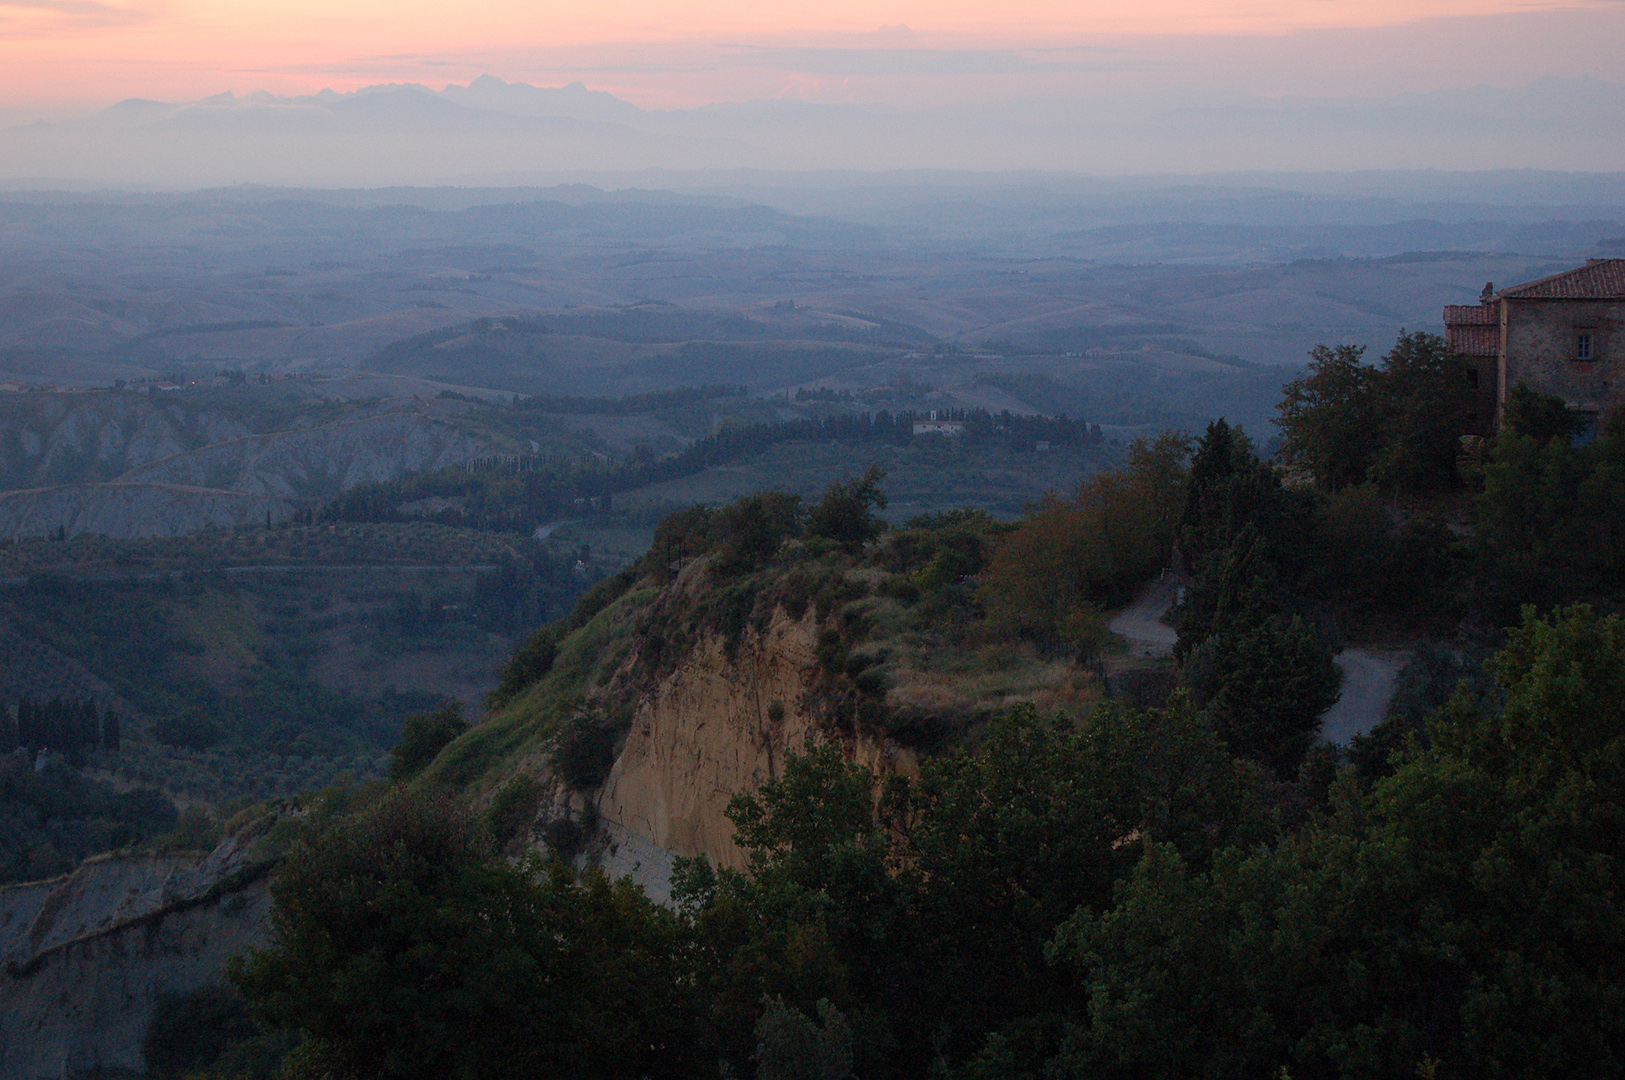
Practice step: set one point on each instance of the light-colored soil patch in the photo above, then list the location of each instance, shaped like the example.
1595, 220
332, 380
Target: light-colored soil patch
1368, 687
1141, 625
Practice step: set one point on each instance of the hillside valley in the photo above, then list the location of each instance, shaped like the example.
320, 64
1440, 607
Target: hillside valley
650, 629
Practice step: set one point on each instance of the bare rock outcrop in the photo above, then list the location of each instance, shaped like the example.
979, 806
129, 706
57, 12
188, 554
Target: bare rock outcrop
715, 726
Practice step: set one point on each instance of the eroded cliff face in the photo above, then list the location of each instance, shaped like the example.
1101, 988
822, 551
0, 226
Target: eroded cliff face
88, 955
127, 511
136, 469
715, 726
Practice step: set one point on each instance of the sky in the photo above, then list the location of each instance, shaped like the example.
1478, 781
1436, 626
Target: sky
58, 55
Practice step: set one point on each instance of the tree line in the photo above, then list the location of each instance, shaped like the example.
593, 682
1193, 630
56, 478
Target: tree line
72, 727
515, 494
1545, 495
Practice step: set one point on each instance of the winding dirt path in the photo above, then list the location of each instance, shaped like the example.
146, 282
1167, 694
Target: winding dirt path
1141, 622
1368, 676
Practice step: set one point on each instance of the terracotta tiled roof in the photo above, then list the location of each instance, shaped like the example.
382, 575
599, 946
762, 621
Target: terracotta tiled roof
1473, 340
1471, 315
1598, 279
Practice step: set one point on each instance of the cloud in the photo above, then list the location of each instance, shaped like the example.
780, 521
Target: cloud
840, 61
925, 62
67, 15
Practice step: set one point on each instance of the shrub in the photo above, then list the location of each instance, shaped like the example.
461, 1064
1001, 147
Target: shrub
533, 660
208, 1033
565, 835
423, 737
514, 808
1264, 687
187, 729
844, 515
752, 528
585, 750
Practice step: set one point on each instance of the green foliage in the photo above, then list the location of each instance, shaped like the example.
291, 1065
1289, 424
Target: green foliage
472, 754
1542, 417
898, 907
207, 1034
752, 528
513, 808
225, 684
791, 1046
399, 950
584, 749
1379, 572
1328, 423
1398, 425
1049, 577
1423, 403
1264, 686
1551, 518
187, 728
1242, 536
1460, 918
54, 816
530, 662
512, 494
1111, 897
844, 515
1426, 685
423, 737
1260, 672
195, 830
75, 729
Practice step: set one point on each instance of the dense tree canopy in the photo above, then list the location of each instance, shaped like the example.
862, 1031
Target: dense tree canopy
1398, 424
400, 949
1113, 897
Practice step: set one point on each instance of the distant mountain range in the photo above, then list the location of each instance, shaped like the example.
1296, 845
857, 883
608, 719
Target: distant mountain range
492, 131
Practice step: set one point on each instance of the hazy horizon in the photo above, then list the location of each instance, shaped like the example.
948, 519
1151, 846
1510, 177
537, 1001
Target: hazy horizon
136, 93
491, 132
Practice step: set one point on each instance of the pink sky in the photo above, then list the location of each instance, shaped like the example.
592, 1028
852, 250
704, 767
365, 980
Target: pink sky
663, 53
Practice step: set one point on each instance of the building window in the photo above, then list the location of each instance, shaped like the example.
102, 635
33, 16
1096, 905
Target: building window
1582, 346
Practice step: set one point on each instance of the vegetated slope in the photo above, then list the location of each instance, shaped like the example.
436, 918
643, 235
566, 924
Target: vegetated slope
744, 635
261, 661
514, 494
1018, 910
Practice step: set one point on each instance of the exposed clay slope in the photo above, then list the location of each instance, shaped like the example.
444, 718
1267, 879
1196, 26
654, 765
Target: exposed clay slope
719, 655
705, 732
135, 465
88, 955
133, 510
710, 730
322, 461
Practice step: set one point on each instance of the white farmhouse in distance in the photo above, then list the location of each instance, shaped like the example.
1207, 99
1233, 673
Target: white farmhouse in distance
934, 426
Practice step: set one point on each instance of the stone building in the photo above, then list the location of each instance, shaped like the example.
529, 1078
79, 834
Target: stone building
1562, 335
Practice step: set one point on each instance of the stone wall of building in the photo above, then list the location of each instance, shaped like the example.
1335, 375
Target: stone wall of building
1542, 348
